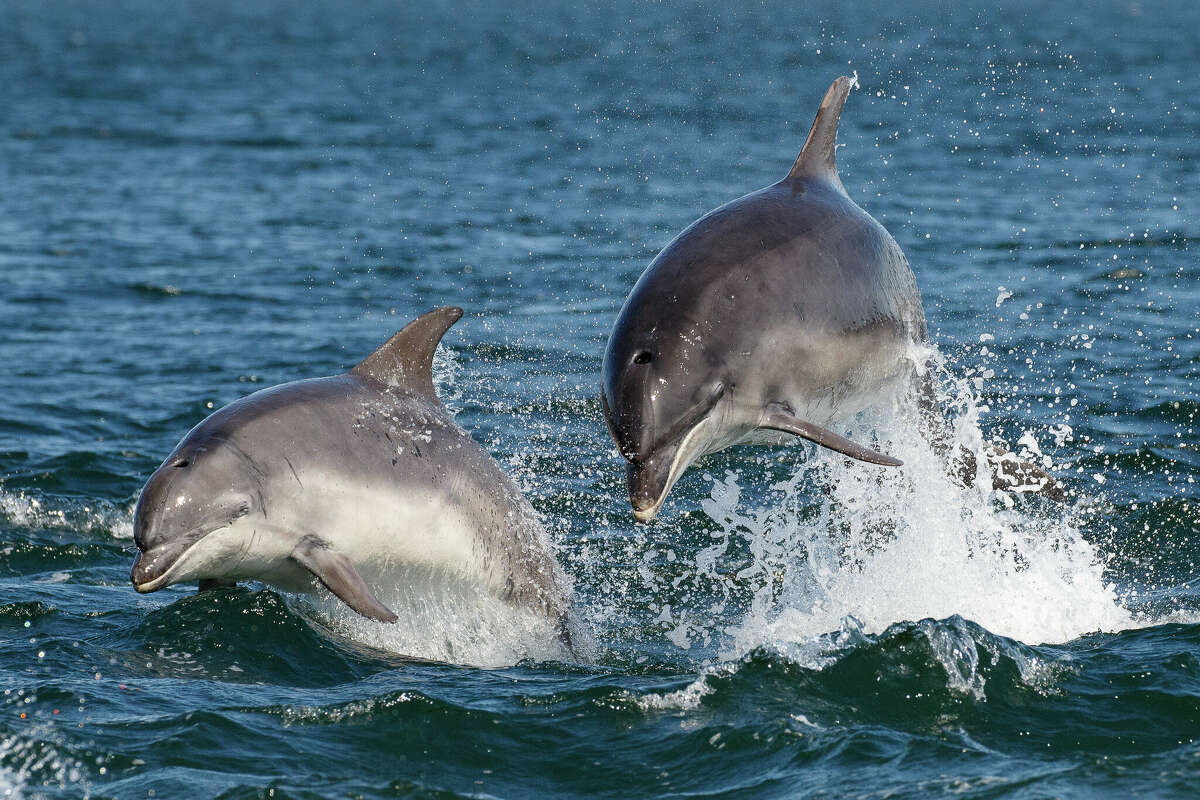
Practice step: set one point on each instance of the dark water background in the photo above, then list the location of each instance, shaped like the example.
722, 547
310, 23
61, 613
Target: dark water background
201, 199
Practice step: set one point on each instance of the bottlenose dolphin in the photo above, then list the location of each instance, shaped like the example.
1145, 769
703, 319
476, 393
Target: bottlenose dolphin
357, 482
769, 318
772, 317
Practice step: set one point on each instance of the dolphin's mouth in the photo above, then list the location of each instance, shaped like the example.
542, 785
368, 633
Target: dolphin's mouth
651, 480
154, 568
651, 476
647, 490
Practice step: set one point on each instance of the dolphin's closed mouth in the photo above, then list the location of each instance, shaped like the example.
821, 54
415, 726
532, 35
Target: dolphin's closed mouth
651, 480
682, 430
152, 568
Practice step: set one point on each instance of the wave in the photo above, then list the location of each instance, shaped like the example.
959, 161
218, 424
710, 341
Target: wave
36, 513
832, 676
953, 678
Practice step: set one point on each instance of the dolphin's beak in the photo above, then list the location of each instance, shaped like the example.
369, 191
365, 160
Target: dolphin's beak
152, 568
648, 486
650, 480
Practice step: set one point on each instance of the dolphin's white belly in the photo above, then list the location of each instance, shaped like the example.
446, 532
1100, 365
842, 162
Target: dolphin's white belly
380, 529
849, 376
829, 392
383, 533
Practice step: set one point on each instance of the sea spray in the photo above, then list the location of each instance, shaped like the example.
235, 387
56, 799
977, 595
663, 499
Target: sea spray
838, 541
38, 512
444, 620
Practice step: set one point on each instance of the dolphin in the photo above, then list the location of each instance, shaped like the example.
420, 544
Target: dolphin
357, 482
772, 317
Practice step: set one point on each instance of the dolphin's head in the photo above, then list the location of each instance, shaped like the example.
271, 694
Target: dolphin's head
664, 399
205, 487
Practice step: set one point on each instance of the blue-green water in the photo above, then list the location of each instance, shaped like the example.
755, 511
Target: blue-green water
199, 200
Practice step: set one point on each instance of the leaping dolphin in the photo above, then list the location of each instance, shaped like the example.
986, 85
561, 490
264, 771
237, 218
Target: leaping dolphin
783, 312
353, 482
772, 317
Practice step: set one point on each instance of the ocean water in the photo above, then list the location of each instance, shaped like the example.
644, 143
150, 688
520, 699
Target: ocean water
198, 200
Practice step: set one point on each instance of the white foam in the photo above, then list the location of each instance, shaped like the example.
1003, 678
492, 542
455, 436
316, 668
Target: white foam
442, 619
33, 513
685, 699
841, 540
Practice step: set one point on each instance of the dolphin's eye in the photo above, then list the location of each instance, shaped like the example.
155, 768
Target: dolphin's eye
181, 462
643, 357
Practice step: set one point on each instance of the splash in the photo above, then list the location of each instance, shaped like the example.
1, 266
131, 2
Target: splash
446, 371
32, 512
441, 619
838, 541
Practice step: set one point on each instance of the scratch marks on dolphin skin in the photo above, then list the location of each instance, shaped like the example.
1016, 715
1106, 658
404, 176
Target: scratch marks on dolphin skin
294, 473
257, 473
247, 547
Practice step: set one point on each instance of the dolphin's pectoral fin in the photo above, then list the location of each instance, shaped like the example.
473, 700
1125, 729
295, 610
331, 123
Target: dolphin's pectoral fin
338, 575
781, 421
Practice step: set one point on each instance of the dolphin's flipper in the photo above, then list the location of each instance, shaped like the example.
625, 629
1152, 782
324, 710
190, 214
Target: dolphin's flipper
338, 575
781, 421
1011, 473
1008, 471
406, 359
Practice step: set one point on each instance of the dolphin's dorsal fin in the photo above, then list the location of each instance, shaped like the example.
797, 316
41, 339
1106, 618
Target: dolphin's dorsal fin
816, 161
406, 359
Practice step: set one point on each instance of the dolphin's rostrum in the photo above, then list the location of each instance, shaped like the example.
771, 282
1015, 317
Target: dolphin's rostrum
772, 317
351, 482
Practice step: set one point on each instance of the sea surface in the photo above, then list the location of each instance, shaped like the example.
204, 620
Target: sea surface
202, 199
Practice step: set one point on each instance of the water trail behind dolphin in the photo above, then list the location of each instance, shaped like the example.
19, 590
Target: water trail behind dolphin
837, 541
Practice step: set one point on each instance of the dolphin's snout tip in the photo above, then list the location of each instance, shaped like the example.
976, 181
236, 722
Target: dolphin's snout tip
142, 575
648, 488
645, 509
645, 514
137, 576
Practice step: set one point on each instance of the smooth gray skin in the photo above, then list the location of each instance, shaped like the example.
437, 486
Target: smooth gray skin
783, 311
348, 479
